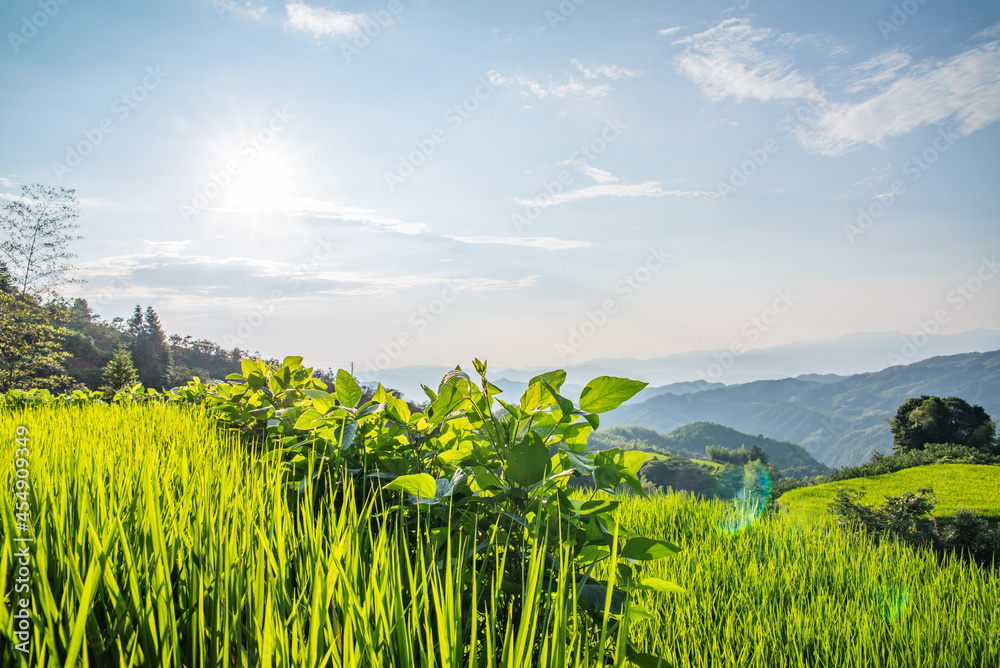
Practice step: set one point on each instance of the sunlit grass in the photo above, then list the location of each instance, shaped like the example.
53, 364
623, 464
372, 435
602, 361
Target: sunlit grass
970, 485
786, 593
160, 542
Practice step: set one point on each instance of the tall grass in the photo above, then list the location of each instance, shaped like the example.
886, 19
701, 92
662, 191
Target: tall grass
787, 593
160, 542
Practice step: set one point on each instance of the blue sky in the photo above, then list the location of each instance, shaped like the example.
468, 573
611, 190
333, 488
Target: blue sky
399, 182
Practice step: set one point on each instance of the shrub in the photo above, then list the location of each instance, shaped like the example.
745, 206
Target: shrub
907, 518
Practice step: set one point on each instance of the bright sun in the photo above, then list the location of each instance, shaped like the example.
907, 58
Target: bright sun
264, 183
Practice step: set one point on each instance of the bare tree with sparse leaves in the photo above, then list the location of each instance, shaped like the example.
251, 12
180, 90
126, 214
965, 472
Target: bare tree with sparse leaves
37, 229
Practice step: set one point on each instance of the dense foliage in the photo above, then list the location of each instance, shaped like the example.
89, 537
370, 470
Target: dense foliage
840, 423
907, 518
932, 453
473, 470
926, 419
694, 441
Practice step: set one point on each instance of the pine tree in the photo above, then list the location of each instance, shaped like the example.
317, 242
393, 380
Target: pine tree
162, 359
119, 373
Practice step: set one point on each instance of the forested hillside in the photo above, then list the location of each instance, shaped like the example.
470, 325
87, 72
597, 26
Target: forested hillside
838, 423
691, 440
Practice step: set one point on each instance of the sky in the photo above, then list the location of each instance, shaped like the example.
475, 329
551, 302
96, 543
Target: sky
400, 182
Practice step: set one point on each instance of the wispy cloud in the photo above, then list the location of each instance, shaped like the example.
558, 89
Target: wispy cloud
729, 60
736, 60
211, 280
301, 206
543, 243
876, 71
964, 89
669, 31
645, 189
596, 173
572, 87
319, 21
606, 71
7, 183
247, 8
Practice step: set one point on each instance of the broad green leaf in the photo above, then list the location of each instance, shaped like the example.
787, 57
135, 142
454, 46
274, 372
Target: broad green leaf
656, 584
607, 393
417, 484
576, 436
644, 660
596, 593
397, 409
459, 379
291, 362
527, 462
633, 460
554, 378
448, 401
648, 549
348, 390
638, 613
310, 419
322, 401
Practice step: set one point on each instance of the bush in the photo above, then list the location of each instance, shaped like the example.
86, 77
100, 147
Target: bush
680, 475
907, 518
934, 453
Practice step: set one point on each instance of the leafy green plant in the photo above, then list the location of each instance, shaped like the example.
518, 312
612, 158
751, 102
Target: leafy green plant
479, 470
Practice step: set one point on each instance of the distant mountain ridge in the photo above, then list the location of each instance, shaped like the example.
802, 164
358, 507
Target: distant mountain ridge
839, 423
690, 440
820, 360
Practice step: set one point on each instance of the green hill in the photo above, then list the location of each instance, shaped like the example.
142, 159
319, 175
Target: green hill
971, 485
841, 422
690, 440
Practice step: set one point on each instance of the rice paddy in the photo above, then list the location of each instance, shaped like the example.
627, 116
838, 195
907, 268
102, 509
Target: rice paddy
158, 541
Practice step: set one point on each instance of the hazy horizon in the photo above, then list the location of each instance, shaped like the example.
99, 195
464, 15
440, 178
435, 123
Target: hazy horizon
541, 185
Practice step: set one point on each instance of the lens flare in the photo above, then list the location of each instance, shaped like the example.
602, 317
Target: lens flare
752, 485
892, 600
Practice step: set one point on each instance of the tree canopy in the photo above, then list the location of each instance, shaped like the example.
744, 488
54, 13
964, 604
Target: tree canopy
928, 419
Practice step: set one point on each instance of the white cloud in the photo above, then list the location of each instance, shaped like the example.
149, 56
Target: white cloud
607, 71
875, 71
728, 61
246, 9
544, 243
229, 282
319, 21
7, 183
645, 189
331, 210
669, 31
596, 173
736, 60
573, 87
964, 88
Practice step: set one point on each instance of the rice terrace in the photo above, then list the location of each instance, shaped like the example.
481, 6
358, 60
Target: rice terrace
559, 334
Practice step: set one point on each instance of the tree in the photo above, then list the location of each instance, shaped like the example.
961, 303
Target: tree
161, 359
31, 353
119, 373
37, 225
928, 419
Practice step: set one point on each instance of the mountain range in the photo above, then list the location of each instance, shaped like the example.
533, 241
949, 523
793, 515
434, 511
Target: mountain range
840, 423
808, 393
691, 440
822, 360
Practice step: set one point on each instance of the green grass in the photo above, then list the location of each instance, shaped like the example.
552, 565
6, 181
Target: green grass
158, 542
714, 466
969, 485
786, 593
